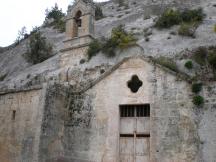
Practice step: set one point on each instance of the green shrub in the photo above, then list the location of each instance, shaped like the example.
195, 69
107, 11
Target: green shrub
172, 17
215, 28
189, 65
198, 100
212, 58
200, 55
38, 49
169, 18
109, 47
122, 38
119, 39
167, 62
126, 41
187, 29
195, 15
94, 48
60, 25
57, 15
98, 13
196, 87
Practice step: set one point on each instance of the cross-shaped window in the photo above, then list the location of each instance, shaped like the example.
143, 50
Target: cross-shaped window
134, 84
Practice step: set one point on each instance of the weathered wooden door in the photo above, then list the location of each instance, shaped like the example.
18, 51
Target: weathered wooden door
134, 149
126, 149
142, 150
134, 140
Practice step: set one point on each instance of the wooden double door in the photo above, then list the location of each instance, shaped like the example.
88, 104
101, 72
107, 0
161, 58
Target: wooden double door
134, 142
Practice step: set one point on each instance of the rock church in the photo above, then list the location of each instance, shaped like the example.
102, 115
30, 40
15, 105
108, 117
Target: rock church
136, 111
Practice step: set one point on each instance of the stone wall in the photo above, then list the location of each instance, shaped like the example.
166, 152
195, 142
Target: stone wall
59, 123
52, 128
84, 127
79, 131
174, 133
66, 127
72, 58
206, 117
20, 118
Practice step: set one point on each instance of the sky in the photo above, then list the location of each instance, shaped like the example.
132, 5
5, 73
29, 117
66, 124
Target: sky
15, 14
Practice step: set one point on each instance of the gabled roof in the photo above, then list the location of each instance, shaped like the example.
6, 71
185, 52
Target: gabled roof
181, 76
85, 6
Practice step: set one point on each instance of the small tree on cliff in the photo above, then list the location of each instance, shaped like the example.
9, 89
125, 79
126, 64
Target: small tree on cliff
38, 49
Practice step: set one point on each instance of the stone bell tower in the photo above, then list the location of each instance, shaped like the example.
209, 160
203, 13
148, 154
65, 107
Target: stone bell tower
79, 24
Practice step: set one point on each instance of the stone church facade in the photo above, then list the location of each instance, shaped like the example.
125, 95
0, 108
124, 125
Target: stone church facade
137, 111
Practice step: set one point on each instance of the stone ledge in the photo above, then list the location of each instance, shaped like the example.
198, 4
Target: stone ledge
7, 91
67, 40
71, 48
77, 42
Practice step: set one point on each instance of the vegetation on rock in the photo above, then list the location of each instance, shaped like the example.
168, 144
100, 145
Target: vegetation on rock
196, 87
205, 56
169, 18
167, 62
203, 61
57, 18
94, 48
194, 15
98, 13
200, 55
119, 39
189, 64
188, 29
212, 57
38, 49
22, 34
189, 20
198, 100
122, 38
34, 30
109, 47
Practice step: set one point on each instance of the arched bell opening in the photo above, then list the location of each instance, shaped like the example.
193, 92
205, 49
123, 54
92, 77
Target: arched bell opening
77, 23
